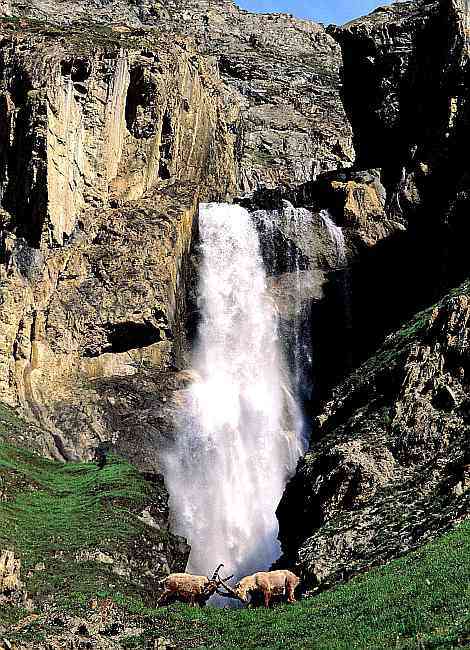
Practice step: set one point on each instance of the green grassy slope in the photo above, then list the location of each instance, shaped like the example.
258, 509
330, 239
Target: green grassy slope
61, 515
51, 513
419, 601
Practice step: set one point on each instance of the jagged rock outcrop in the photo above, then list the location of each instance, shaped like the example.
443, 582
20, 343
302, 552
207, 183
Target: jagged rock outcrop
407, 107
12, 591
388, 468
65, 12
388, 464
380, 53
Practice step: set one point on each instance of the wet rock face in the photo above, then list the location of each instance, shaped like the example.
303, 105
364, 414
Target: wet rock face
307, 281
313, 280
388, 464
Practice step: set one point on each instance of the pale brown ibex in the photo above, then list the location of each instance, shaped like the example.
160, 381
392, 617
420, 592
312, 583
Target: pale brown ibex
265, 583
195, 590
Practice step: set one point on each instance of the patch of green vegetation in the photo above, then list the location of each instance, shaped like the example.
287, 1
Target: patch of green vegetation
50, 512
398, 344
264, 157
84, 37
8, 419
419, 601
10, 615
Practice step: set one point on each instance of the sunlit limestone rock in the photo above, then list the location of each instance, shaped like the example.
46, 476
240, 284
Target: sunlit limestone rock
5, 8
107, 148
110, 12
12, 589
286, 75
9, 572
95, 130
283, 71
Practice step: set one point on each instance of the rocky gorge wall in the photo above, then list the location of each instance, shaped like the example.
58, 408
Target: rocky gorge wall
135, 136
388, 467
388, 463
282, 72
407, 105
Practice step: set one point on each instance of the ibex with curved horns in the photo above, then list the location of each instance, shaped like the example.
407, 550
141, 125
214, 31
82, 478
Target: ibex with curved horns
195, 590
265, 583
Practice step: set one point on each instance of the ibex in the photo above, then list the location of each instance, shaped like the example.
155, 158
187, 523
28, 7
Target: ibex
267, 584
195, 590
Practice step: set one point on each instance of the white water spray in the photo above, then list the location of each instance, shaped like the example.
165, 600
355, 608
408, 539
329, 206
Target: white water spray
337, 237
237, 444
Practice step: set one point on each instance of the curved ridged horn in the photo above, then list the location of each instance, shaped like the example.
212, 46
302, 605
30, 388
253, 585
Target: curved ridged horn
231, 593
216, 572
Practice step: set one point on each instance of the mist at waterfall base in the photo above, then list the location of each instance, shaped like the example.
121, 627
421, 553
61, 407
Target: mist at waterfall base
240, 430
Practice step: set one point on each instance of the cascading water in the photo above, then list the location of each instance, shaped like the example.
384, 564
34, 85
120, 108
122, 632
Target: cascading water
337, 237
240, 434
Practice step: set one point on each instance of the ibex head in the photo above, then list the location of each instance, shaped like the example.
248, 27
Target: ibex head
215, 582
243, 588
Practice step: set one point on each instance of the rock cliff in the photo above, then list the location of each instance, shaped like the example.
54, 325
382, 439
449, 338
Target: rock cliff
117, 129
388, 467
284, 72
108, 145
405, 83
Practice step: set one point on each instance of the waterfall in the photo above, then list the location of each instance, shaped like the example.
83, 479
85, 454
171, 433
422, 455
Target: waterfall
336, 235
239, 435
289, 243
